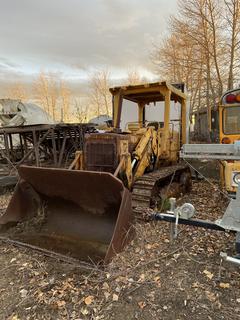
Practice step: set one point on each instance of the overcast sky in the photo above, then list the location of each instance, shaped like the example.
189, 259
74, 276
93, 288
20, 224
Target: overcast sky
76, 36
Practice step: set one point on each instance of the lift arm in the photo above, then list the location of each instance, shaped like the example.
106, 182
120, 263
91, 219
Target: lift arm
146, 149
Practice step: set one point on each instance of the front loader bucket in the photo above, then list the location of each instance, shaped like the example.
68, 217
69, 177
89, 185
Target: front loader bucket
85, 215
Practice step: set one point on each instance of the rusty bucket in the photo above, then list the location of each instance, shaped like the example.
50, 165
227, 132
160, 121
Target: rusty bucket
82, 214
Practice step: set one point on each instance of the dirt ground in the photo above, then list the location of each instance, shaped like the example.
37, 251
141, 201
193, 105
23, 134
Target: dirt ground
152, 279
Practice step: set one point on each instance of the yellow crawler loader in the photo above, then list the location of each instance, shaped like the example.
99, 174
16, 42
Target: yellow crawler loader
87, 211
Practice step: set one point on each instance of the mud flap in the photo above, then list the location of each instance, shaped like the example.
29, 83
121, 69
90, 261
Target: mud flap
82, 214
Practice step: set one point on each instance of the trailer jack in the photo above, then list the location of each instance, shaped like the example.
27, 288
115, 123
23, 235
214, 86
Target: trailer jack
183, 215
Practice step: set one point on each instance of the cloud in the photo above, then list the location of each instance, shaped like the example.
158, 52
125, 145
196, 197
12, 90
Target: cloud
77, 35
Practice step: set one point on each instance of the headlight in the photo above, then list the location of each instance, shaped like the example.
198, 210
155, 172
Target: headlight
236, 178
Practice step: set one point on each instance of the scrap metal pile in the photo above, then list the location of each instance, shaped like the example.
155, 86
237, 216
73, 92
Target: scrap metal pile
43, 145
28, 135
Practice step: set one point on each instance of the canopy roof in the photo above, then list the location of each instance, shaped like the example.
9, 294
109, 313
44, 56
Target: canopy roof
150, 92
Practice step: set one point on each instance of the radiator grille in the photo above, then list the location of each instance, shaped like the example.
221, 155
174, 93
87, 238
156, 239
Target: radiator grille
101, 155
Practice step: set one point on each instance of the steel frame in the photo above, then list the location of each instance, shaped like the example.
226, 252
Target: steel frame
43, 145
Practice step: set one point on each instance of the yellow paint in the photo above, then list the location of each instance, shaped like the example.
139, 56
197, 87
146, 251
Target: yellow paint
228, 167
150, 145
232, 137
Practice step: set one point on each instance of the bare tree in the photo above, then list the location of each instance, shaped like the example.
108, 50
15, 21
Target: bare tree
17, 91
46, 92
202, 50
99, 92
65, 101
81, 110
134, 77
52, 92
179, 59
233, 26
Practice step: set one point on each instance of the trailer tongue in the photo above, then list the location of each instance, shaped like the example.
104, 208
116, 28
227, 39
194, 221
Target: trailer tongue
81, 214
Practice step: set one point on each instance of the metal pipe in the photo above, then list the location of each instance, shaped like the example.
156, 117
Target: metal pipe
134, 163
119, 167
225, 257
190, 222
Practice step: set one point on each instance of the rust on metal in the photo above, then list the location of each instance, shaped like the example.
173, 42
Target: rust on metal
86, 215
43, 145
149, 185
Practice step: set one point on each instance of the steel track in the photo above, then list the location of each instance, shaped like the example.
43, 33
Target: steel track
149, 184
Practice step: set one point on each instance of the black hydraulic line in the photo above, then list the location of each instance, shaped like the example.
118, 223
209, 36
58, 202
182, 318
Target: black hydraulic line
189, 222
